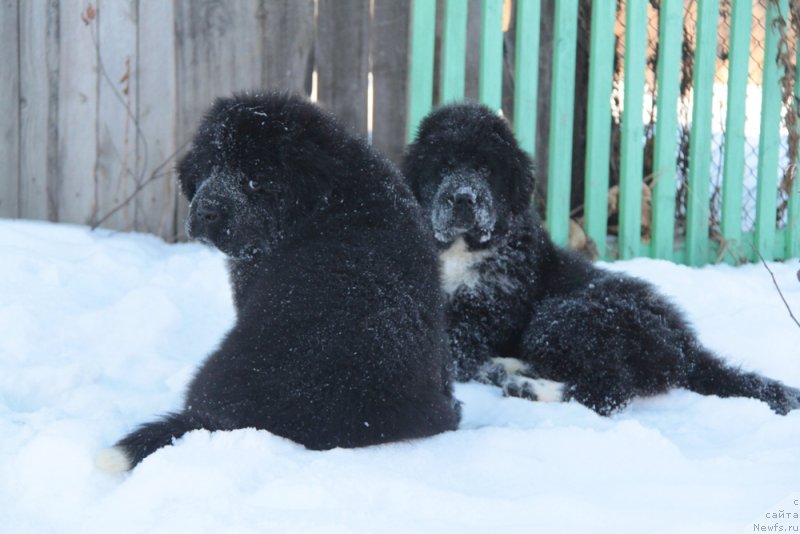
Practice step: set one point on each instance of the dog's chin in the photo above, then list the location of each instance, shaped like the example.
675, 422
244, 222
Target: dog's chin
248, 252
235, 251
449, 225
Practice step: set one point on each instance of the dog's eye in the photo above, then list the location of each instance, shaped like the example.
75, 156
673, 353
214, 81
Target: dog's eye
254, 185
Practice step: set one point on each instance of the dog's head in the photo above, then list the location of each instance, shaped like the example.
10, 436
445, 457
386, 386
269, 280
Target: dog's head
259, 165
468, 173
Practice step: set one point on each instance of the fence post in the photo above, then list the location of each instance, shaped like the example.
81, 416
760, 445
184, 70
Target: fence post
490, 84
559, 172
420, 71
389, 42
670, 33
733, 165
342, 58
454, 50
526, 71
793, 210
598, 124
769, 140
10, 127
630, 180
705, 56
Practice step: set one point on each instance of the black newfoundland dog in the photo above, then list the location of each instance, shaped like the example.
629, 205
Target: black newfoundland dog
539, 321
340, 336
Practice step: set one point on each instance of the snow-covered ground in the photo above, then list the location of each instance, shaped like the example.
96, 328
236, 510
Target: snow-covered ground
102, 331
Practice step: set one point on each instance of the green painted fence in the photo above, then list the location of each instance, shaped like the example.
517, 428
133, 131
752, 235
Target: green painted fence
699, 243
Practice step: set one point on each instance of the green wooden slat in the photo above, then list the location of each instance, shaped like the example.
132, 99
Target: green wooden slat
630, 181
454, 50
670, 36
793, 216
559, 169
715, 250
490, 85
769, 140
420, 71
733, 163
697, 209
598, 125
526, 72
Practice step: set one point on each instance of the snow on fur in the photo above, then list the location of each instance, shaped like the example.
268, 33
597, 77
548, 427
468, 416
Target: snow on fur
99, 331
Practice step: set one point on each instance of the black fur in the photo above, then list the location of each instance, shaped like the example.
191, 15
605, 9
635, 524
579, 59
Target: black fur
607, 337
340, 338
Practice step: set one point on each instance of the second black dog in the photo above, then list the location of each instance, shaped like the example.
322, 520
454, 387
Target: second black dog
535, 319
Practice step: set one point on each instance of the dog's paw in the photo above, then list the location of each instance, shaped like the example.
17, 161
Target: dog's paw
783, 399
536, 389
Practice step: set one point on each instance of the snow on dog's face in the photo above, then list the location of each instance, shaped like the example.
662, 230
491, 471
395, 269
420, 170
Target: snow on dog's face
469, 174
255, 170
463, 204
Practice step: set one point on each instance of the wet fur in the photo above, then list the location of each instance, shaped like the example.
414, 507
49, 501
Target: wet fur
606, 336
339, 339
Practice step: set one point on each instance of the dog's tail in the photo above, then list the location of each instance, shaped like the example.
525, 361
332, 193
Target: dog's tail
145, 440
709, 375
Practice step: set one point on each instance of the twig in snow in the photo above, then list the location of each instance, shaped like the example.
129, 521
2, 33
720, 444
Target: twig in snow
775, 283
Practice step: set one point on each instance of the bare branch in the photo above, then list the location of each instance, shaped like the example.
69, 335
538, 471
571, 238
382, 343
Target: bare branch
141, 185
775, 283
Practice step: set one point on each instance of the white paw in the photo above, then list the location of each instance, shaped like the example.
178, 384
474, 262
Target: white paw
538, 389
112, 460
511, 366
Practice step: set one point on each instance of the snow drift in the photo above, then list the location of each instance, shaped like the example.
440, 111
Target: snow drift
101, 331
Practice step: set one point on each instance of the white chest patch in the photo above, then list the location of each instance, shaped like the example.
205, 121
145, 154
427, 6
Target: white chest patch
458, 264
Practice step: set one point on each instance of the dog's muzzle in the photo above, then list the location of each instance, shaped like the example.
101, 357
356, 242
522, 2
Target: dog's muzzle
462, 205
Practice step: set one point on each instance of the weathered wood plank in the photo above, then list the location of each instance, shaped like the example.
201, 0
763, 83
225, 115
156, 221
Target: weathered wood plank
541, 157
342, 57
115, 169
156, 203
9, 117
74, 181
390, 75
287, 33
472, 69
39, 64
218, 51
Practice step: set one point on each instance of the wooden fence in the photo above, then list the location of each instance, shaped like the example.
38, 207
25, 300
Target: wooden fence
100, 98
699, 241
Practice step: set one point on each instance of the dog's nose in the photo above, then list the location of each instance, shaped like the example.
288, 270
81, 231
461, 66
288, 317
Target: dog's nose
463, 200
208, 212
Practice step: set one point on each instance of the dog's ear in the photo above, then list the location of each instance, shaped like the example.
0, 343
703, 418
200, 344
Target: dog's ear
187, 176
524, 182
415, 167
312, 170
513, 163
